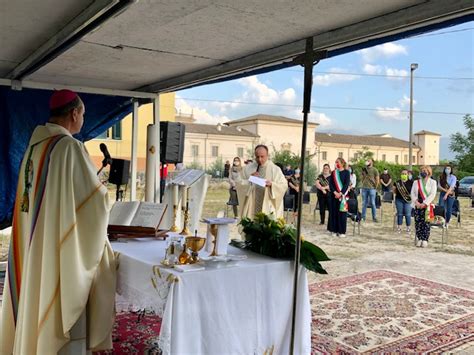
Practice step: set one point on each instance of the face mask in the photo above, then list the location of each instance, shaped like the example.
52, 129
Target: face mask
385, 171
404, 177
338, 165
410, 177
447, 171
350, 171
423, 174
236, 163
367, 163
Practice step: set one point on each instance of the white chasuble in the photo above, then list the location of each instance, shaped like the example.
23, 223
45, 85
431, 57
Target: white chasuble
254, 198
60, 259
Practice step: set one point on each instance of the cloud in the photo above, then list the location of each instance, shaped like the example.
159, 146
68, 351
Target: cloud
391, 73
200, 114
386, 50
256, 91
321, 118
336, 75
396, 74
395, 113
372, 69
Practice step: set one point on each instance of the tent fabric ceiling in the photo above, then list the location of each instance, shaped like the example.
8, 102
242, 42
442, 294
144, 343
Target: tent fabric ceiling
156, 41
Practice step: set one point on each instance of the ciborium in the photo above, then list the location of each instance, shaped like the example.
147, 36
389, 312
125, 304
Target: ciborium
195, 244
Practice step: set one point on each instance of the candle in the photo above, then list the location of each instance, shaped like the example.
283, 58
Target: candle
175, 195
185, 197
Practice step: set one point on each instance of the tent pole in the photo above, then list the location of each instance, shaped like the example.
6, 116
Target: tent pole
157, 172
307, 60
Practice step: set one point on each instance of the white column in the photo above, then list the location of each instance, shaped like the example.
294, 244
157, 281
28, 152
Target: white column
156, 121
152, 142
133, 188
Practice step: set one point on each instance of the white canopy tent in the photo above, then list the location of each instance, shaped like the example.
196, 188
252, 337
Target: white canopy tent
141, 48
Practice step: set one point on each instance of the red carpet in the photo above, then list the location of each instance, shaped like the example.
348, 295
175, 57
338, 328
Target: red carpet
377, 312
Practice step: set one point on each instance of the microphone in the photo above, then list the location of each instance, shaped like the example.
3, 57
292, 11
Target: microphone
107, 158
258, 167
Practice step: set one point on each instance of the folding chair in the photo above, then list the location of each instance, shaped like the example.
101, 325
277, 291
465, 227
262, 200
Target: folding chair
288, 204
440, 222
387, 197
353, 214
306, 200
457, 212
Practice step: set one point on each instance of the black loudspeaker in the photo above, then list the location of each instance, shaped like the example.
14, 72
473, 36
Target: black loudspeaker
171, 142
119, 172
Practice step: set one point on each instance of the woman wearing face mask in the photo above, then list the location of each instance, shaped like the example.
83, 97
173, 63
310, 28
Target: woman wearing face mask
234, 177
447, 184
338, 189
402, 190
294, 186
423, 194
322, 184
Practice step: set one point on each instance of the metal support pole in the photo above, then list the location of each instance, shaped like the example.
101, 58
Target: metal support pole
413, 67
307, 60
133, 187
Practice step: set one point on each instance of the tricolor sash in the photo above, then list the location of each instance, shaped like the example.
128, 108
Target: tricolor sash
429, 213
338, 182
24, 204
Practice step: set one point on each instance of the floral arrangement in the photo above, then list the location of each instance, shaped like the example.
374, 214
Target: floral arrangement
273, 237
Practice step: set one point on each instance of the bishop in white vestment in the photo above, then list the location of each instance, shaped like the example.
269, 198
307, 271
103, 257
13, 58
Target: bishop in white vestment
60, 261
254, 198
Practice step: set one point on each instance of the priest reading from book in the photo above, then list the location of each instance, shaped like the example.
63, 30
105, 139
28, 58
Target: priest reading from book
60, 263
262, 186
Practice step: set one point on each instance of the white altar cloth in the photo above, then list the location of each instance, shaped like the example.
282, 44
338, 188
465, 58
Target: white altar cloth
245, 309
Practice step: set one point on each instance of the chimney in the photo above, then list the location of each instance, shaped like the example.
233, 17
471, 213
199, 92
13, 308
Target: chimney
219, 127
239, 128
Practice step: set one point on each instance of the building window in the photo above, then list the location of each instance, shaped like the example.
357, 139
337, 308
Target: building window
405, 159
103, 135
307, 153
325, 156
356, 156
396, 158
384, 157
240, 152
414, 159
195, 150
215, 151
117, 131
340, 155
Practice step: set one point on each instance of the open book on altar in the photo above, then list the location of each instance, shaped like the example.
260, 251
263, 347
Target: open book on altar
136, 218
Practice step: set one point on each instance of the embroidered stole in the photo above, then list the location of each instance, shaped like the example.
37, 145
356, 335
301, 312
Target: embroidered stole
338, 182
429, 212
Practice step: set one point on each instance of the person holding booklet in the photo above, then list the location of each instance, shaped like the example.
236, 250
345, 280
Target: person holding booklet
423, 194
339, 183
262, 186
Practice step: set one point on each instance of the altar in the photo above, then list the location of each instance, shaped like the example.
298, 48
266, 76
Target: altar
240, 309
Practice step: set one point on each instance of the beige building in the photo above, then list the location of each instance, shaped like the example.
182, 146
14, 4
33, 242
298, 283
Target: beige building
206, 143
429, 142
277, 132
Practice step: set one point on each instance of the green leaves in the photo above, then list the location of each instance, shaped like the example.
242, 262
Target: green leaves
274, 238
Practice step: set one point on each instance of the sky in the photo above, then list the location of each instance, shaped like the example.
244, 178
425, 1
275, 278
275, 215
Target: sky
363, 92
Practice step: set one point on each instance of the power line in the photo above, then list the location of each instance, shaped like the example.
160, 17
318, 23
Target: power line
384, 75
323, 107
442, 33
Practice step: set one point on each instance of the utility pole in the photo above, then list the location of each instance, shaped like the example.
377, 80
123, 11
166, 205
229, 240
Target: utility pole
413, 67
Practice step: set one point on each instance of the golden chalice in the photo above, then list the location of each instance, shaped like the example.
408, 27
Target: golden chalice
195, 244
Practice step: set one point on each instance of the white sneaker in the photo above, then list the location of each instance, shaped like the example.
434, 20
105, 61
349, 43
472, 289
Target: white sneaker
408, 230
399, 230
418, 243
424, 244
342, 235
333, 235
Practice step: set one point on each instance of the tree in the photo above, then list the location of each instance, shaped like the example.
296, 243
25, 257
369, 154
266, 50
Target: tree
362, 155
463, 145
285, 157
216, 169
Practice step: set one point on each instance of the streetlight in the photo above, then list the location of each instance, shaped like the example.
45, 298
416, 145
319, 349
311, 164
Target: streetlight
413, 67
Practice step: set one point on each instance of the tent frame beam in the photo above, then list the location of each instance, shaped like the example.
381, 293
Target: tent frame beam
20, 84
410, 18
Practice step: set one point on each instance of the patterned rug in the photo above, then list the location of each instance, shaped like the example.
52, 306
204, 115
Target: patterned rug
388, 312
